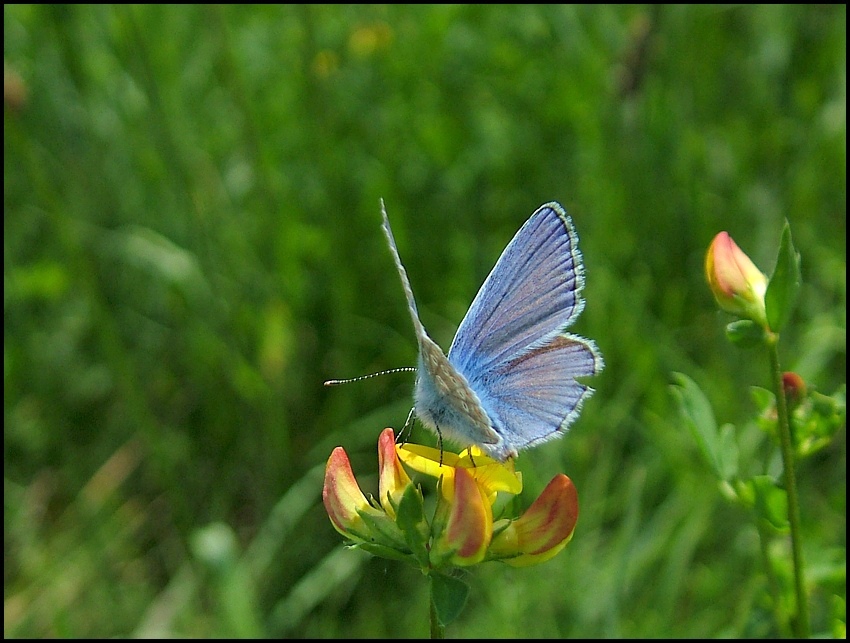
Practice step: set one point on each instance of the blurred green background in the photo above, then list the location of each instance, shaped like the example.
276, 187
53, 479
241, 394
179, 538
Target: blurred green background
192, 246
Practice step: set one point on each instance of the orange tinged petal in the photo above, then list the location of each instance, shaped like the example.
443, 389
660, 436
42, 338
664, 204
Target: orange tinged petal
551, 519
342, 495
393, 479
544, 529
469, 528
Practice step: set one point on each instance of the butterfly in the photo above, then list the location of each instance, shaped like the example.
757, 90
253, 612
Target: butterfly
509, 380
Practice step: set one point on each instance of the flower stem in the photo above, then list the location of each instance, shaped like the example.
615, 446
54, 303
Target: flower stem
800, 624
438, 630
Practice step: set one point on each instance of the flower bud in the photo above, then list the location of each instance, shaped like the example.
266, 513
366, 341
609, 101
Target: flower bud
794, 387
343, 498
738, 286
543, 530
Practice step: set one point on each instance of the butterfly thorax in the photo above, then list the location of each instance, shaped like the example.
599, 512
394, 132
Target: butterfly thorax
446, 403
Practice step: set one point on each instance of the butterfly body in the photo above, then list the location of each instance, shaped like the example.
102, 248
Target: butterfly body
446, 402
509, 379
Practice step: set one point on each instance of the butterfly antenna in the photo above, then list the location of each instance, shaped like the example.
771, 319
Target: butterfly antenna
403, 369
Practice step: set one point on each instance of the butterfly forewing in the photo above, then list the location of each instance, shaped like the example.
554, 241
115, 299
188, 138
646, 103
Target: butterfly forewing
511, 346
532, 292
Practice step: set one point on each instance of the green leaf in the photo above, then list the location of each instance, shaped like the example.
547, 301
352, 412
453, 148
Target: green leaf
449, 596
745, 333
771, 502
381, 530
763, 398
765, 402
410, 509
727, 452
410, 518
816, 421
696, 412
784, 285
382, 551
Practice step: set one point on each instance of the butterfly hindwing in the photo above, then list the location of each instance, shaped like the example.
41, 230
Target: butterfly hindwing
535, 396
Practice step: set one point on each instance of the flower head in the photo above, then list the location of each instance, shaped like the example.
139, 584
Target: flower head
738, 286
461, 531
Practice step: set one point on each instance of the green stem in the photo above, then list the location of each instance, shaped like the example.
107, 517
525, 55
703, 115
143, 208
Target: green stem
438, 630
801, 622
782, 619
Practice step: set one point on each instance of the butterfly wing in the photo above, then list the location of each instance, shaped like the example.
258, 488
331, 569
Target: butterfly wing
511, 346
444, 400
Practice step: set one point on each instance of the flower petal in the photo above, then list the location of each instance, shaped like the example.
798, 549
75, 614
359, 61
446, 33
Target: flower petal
427, 460
469, 528
544, 529
497, 476
393, 479
342, 496
490, 475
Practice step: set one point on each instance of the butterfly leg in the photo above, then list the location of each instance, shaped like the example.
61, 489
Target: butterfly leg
408, 427
439, 442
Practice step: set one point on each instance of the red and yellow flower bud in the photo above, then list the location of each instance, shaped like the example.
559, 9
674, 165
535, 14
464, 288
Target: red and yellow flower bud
544, 529
738, 286
343, 498
469, 527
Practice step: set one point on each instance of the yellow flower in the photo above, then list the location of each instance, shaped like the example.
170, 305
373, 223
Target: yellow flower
461, 531
491, 476
469, 484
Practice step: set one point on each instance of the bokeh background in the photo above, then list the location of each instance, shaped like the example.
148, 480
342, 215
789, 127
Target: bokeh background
192, 246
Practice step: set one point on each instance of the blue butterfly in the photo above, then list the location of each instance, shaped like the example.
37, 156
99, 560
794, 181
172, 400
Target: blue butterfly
509, 381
